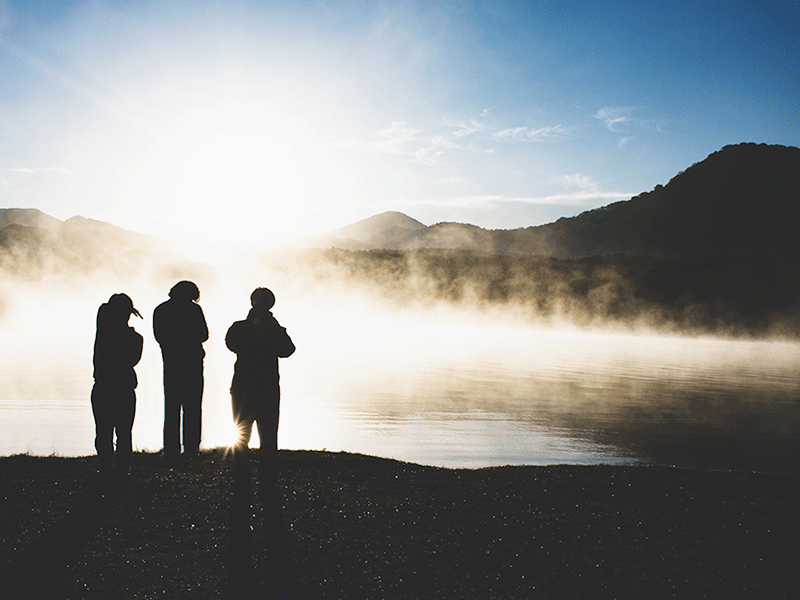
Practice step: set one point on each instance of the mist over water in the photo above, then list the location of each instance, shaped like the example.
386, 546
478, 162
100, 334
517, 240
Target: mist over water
427, 380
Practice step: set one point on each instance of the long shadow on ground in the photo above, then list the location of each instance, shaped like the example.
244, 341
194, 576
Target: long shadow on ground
276, 579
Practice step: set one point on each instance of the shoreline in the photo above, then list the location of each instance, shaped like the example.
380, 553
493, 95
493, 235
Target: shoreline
340, 525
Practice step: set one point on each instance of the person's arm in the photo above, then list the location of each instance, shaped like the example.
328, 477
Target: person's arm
202, 328
134, 349
281, 344
157, 324
284, 347
233, 338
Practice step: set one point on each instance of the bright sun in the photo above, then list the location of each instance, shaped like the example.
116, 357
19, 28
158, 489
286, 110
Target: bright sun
237, 164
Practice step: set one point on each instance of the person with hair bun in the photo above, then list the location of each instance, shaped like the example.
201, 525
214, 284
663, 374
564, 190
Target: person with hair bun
180, 328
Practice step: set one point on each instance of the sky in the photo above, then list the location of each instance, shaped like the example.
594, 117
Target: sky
249, 122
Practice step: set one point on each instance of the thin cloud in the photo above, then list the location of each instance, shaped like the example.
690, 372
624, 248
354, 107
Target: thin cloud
577, 180
446, 141
509, 134
424, 155
33, 171
576, 198
615, 118
459, 132
464, 131
404, 139
578, 189
573, 198
393, 138
529, 134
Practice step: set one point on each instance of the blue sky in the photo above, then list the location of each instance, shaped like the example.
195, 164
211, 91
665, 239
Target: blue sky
248, 122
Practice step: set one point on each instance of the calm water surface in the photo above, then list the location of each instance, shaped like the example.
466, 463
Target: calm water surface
457, 394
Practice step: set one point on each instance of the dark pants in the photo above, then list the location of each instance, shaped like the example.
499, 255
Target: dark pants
263, 409
183, 391
114, 410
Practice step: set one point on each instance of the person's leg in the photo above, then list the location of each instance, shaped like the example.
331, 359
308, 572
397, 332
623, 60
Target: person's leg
172, 410
104, 429
126, 411
244, 430
268, 427
243, 418
192, 408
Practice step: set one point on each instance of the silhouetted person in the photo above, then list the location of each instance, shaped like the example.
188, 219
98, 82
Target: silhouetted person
117, 350
180, 329
258, 342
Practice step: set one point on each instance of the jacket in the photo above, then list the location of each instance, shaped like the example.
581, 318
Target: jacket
180, 328
117, 350
258, 342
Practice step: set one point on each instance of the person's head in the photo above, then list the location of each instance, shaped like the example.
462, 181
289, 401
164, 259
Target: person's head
262, 299
120, 308
185, 290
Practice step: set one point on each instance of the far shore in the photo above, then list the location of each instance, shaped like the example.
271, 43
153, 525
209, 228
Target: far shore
348, 526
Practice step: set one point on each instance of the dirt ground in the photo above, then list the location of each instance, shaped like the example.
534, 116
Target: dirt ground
346, 526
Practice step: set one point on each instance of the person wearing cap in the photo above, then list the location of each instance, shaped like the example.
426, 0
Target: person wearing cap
180, 328
258, 342
117, 350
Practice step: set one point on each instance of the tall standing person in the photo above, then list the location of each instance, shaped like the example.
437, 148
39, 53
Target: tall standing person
117, 350
258, 341
180, 328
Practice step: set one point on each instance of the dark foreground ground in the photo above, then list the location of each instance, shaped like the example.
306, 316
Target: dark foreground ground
344, 526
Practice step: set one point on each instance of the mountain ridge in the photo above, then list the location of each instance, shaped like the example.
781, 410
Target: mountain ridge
743, 199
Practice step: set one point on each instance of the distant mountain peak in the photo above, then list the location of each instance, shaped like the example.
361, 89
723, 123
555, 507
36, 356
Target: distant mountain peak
29, 217
371, 227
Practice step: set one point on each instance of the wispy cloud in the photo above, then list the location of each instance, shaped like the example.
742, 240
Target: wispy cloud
562, 199
577, 180
580, 189
466, 130
575, 198
533, 134
625, 120
395, 138
615, 118
426, 155
447, 141
475, 135
577, 190
510, 133
33, 171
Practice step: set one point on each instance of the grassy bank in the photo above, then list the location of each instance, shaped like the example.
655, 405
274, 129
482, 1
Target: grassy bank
335, 525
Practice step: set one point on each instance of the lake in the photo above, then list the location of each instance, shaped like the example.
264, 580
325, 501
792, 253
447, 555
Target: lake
452, 392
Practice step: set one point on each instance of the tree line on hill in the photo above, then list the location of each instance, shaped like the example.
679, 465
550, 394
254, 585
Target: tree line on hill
734, 296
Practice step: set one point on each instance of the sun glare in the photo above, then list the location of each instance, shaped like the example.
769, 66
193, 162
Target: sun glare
239, 164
